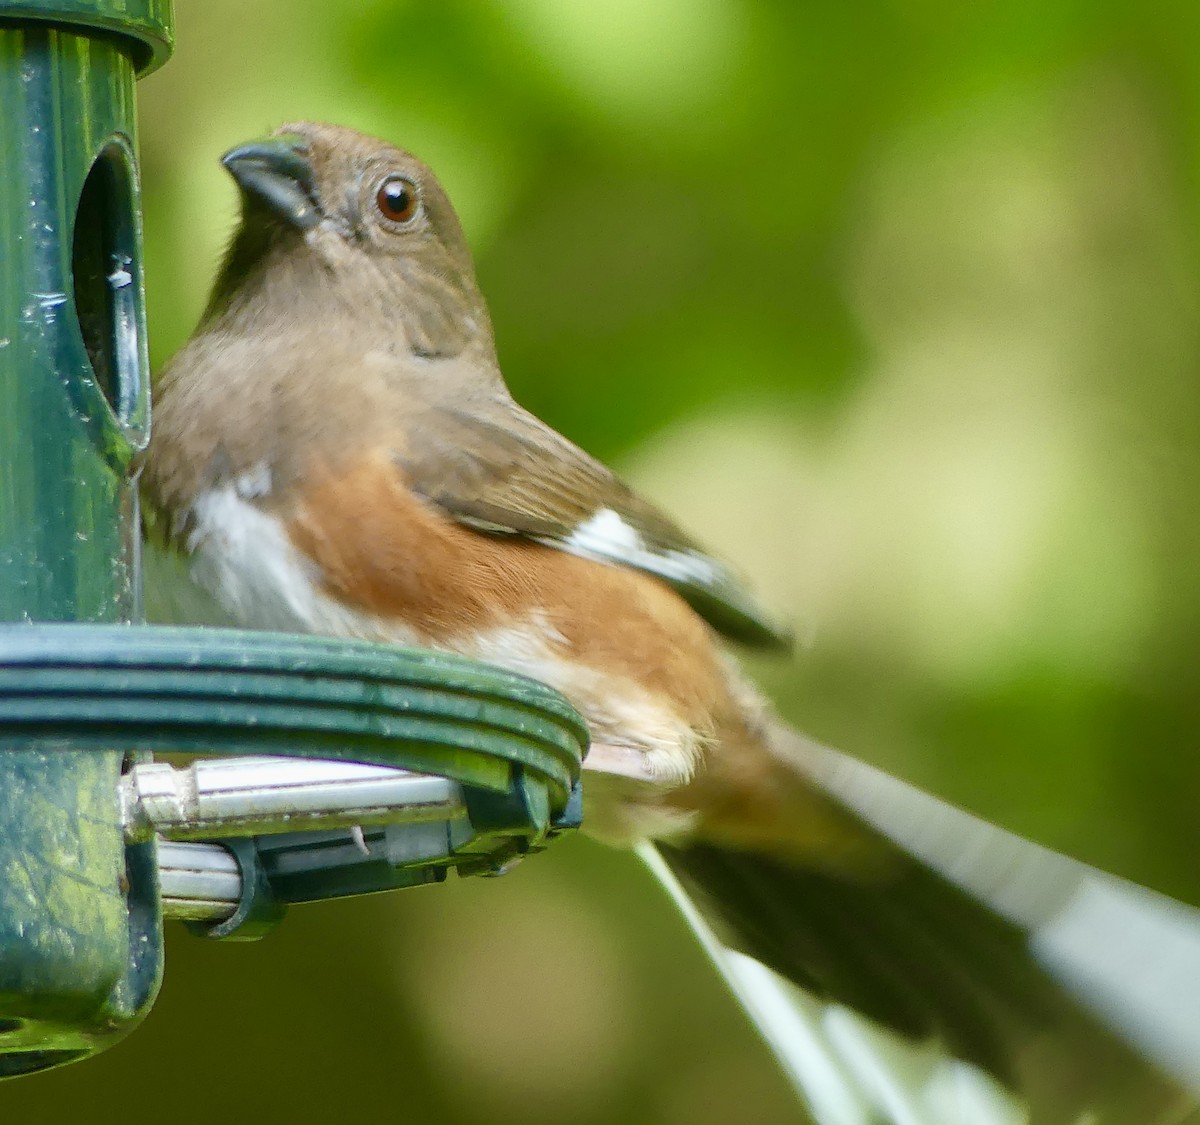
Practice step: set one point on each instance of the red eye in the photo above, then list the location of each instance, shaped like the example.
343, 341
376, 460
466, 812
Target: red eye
397, 199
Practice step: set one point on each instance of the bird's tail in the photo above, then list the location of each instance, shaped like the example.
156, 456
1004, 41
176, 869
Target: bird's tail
1000, 964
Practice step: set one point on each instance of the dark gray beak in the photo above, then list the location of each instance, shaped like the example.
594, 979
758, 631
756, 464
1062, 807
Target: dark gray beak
276, 172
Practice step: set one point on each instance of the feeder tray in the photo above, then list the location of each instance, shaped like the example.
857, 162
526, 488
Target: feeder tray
345, 768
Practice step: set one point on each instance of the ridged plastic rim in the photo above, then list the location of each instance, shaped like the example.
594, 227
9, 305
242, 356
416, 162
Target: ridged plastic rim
225, 691
148, 24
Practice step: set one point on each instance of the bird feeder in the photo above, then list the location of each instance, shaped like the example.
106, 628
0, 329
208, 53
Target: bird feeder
331, 767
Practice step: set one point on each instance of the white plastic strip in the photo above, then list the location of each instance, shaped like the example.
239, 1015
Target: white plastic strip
261, 795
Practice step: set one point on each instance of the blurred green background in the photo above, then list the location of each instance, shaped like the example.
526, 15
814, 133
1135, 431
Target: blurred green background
895, 305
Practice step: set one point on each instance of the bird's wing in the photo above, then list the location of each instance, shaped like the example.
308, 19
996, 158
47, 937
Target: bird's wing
496, 468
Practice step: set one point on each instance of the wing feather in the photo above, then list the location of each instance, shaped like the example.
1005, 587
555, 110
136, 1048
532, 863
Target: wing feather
496, 468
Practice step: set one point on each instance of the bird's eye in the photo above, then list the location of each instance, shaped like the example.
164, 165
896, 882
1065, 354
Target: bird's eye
397, 199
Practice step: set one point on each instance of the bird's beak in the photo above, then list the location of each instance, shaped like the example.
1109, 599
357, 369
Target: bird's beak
276, 171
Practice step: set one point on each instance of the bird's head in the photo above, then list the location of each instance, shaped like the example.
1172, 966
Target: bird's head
340, 214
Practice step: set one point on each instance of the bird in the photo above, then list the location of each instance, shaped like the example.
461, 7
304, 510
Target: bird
335, 451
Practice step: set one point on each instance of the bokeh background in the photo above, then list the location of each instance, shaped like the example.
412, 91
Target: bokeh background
895, 304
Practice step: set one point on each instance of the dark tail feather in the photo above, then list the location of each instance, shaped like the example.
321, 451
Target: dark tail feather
932, 956
894, 952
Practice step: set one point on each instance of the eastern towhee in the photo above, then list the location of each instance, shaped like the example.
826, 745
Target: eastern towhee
335, 451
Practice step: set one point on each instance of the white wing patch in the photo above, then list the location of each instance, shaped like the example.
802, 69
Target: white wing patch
606, 534
607, 537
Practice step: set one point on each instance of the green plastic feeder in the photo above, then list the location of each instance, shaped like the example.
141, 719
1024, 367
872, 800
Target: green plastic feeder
80, 932
87, 694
